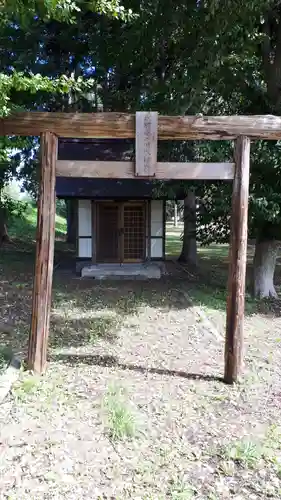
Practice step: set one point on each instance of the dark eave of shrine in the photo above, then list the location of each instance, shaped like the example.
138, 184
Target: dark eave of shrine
113, 189
96, 149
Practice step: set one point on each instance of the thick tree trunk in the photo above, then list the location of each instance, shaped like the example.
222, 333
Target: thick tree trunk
264, 266
189, 245
71, 207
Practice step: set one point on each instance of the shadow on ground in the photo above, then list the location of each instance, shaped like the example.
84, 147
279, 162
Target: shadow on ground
112, 361
85, 311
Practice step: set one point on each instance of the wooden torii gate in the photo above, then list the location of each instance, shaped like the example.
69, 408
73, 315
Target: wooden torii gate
146, 128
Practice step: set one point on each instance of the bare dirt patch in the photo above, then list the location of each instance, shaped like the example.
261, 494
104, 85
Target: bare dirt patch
132, 405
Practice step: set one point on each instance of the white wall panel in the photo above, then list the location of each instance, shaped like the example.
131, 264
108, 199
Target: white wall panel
157, 211
85, 247
84, 218
156, 228
156, 248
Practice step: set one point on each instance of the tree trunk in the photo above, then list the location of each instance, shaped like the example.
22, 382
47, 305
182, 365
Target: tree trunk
176, 214
4, 237
266, 252
189, 245
71, 210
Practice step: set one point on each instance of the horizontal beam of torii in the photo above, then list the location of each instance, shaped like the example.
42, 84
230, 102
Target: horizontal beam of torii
123, 126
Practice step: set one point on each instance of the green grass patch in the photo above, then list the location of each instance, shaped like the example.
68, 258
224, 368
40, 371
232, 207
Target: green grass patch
249, 454
25, 387
219, 252
215, 299
180, 490
24, 227
272, 447
120, 419
173, 245
19, 255
244, 453
84, 331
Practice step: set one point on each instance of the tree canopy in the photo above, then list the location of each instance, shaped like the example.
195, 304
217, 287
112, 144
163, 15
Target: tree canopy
179, 57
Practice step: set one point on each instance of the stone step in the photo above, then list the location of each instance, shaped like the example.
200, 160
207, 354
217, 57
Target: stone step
123, 271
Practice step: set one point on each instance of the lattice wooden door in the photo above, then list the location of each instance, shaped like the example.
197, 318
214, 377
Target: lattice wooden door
134, 232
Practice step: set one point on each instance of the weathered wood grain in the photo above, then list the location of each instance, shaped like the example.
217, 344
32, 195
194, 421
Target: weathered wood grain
146, 143
237, 263
121, 125
193, 171
42, 287
126, 170
92, 169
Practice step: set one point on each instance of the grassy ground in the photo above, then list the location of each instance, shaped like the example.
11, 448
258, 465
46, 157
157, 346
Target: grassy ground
132, 405
207, 285
174, 244
24, 228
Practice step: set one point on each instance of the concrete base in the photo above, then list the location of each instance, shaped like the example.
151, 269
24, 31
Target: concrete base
82, 263
143, 271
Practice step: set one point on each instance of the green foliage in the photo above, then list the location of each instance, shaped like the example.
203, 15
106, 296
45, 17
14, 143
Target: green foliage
13, 209
18, 82
61, 10
61, 208
24, 10
36, 72
264, 200
23, 227
153, 55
